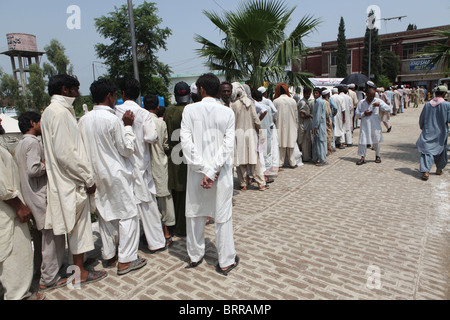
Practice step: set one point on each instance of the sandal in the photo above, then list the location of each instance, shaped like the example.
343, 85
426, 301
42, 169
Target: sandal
425, 176
227, 270
94, 276
134, 265
438, 172
192, 265
360, 162
57, 284
377, 160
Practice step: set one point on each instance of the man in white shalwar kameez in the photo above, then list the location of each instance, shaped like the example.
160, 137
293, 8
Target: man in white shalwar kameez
16, 253
275, 151
287, 124
369, 111
339, 119
110, 143
145, 191
207, 140
348, 103
70, 175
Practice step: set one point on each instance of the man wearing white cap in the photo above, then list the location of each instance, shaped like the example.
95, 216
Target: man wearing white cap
352, 94
339, 119
348, 103
274, 133
369, 111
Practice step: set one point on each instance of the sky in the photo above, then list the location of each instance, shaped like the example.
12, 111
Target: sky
47, 19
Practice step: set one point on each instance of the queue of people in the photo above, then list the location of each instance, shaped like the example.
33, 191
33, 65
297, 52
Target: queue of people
150, 176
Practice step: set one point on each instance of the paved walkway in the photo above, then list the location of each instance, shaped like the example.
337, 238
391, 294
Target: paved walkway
342, 231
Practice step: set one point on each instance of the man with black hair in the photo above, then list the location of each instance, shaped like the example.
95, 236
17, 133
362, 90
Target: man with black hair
226, 89
29, 156
207, 140
16, 253
70, 175
369, 111
432, 143
319, 127
159, 166
110, 143
144, 129
177, 166
305, 113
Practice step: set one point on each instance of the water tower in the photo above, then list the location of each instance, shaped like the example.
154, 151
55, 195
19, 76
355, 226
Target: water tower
22, 49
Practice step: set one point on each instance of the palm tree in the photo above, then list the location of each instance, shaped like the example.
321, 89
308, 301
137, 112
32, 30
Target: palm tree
439, 51
255, 46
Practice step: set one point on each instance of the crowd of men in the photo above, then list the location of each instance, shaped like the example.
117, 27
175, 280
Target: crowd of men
150, 174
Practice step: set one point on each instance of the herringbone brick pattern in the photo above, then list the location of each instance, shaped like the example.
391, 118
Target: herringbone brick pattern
341, 231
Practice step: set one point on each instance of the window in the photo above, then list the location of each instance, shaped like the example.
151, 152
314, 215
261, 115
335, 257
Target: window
408, 51
334, 58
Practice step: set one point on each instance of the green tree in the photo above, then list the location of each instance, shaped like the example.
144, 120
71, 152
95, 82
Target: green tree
384, 81
36, 86
375, 66
390, 64
59, 62
342, 51
9, 89
255, 47
439, 51
150, 37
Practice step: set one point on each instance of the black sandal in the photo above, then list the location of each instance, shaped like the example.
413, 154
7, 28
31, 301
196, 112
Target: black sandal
377, 160
194, 264
360, 162
226, 271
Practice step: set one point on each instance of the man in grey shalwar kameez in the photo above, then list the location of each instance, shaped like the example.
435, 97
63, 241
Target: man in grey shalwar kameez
432, 143
319, 127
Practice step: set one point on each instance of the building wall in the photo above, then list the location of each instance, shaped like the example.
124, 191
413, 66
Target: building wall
411, 71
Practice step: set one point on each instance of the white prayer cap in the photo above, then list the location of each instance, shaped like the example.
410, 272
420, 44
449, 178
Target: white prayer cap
334, 90
262, 90
325, 92
194, 88
351, 86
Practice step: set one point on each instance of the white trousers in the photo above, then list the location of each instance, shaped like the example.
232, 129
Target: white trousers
121, 237
16, 272
290, 155
195, 240
362, 149
348, 137
151, 224
81, 239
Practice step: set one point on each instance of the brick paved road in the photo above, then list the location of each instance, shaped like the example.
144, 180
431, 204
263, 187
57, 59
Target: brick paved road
338, 232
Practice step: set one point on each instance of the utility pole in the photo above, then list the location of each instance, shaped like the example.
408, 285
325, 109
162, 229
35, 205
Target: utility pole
370, 25
133, 43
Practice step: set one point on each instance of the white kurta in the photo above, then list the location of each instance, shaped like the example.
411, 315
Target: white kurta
145, 130
160, 161
68, 169
339, 129
207, 139
109, 146
287, 122
9, 189
348, 103
370, 130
